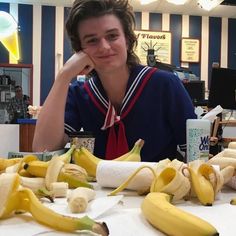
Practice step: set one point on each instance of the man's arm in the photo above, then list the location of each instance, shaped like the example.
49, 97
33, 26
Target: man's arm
49, 132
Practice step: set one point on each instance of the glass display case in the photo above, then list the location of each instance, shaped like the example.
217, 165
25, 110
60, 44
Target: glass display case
12, 75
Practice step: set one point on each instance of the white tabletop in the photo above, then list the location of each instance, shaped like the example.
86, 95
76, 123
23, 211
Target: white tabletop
126, 219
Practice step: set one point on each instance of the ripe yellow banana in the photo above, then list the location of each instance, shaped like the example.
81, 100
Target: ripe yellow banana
16, 198
39, 168
89, 162
200, 181
171, 220
4, 163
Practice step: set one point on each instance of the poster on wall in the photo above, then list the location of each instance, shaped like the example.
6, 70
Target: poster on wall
160, 42
190, 50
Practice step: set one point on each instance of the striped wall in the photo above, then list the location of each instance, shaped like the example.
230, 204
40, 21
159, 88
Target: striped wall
44, 43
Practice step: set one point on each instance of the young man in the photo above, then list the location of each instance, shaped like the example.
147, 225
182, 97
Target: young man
123, 100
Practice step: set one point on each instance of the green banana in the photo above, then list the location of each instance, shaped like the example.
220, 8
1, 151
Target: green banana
84, 158
164, 216
23, 199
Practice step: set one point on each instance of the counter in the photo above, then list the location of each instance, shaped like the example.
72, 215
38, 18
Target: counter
126, 219
9, 139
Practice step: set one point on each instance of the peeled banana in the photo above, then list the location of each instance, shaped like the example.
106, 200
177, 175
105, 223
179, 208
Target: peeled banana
58, 171
171, 220
14, 198
79, 198
89, 162
200, 182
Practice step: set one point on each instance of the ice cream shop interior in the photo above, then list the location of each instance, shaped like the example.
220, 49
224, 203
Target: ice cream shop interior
192, 42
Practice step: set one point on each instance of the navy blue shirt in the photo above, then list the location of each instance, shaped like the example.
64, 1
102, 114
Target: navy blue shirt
156, 110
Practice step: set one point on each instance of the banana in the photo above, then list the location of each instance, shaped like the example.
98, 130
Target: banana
20, 198
33, 183
84, 158
59, 189
227, 173
171, 220
232, 145
223, 162
233, 201
53, 170
199, 177
161, 165
39, 168
130, 178
58, 171
4, 163
172, 182
79, 198
229, 152
169, 181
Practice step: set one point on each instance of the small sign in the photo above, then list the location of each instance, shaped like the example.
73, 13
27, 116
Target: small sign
190, 50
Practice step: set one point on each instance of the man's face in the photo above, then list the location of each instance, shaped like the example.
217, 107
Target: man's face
103, 39
18, 92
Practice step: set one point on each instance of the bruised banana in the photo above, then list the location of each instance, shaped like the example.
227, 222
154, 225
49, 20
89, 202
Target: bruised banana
89, 162
14, 198
58, 171
200, 182
168, 181
164, 216
39, 168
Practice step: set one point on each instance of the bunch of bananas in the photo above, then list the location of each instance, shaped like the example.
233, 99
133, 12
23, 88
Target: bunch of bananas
84, 158
16, 198
175, 180
52, 175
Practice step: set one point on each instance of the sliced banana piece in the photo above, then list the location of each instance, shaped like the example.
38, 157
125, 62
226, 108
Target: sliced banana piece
79, 198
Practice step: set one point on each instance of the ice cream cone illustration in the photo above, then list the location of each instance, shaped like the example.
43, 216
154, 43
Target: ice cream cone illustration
9, 34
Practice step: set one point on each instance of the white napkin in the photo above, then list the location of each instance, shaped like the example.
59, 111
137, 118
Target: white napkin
95, 208
113, 173
211, 115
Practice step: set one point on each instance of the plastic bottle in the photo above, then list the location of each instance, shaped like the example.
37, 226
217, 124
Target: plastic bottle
198, 139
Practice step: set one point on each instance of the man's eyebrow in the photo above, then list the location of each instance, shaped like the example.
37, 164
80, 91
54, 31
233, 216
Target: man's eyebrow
93, 35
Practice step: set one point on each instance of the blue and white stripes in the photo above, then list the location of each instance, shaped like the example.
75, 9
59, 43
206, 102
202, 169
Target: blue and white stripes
44, 43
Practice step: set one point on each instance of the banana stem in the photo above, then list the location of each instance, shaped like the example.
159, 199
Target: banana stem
126, 182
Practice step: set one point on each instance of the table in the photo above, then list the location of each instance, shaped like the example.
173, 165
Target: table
126, 219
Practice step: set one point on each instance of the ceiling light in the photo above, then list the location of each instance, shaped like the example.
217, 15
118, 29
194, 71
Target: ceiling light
9, 34
208, 5
145, 2
177, 2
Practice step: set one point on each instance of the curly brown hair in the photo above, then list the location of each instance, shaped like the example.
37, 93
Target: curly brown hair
84, 9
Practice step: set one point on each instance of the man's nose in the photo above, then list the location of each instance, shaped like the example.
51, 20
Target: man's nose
104, 44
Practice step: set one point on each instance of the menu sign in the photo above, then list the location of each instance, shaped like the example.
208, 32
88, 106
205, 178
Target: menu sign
160, 42
190, 50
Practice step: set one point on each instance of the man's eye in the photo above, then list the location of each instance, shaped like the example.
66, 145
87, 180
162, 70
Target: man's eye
112, 37
92, 41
